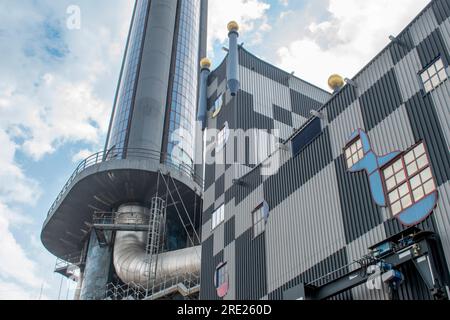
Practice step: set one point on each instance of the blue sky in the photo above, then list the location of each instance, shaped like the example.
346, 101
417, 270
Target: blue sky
57, 88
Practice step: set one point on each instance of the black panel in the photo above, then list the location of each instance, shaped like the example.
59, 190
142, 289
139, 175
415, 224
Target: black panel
333, 263
247, 118
400, 50
441, 9
360, 214
210, 175
431, 48
306, 136
298, 170
246, 59
394, 227
229, 194
220, 186
426, 126
282, 115
251, 279
220, 73
207, 214
208, 270
249, 183
230, 231
302, 105
382, 99
341, 101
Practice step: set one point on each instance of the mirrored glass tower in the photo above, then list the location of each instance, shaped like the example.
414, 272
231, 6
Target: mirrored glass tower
126, 224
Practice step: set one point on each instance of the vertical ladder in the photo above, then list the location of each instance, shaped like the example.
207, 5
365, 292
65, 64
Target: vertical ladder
157, 217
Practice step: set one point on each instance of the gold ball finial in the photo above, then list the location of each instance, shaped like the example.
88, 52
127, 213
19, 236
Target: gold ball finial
335, 82
205, 63
233, 26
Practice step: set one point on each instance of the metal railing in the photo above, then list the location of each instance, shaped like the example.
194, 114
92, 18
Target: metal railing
190, 283
122, 154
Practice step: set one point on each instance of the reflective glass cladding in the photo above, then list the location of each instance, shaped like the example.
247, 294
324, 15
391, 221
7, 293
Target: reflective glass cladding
127, 84
181, 134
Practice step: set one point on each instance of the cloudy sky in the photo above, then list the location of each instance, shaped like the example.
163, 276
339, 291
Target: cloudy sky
57, 88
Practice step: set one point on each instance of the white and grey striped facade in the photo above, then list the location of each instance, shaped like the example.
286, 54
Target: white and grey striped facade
321, 216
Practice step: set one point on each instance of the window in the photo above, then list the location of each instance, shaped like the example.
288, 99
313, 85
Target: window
409, 179
354, 153
260, 216
218, 217
221, 275
434, 75
217, 106
306, 136
222, 138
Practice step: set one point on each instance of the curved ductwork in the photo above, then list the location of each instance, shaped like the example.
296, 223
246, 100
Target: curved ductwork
131, 261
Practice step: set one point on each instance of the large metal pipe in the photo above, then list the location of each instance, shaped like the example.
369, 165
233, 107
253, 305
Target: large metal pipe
205, 65
131, 260
233, 59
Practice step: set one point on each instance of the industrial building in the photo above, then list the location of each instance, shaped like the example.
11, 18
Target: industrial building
129, 216
248, 183
358, 206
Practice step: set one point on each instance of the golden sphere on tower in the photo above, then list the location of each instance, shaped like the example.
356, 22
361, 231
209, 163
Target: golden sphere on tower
336, 82
205, 63
233, 26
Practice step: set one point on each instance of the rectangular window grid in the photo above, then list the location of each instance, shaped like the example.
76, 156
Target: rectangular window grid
218, 217
434, 75
354, 153
409, 179
259, 223
221, 275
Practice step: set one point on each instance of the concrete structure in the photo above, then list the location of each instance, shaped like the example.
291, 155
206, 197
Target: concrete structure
129, 216
327, 224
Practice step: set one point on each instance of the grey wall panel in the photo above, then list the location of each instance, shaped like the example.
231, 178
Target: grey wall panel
343, 126
359, 211
282, 130
209, 196
208, 269
219, 237
393, 133
230, 231
398, 51
441, 9
298, 121
266, 92
357, 250
432, 47
426, 126
331, 264
423, 26
442, 217
304, 229
247, 118
445, 31
220, 187
244, 210
341, 101
251, 62
302, 104
309, 90
441, 101
212, 87
229, 255
374, 71
393, 226
251, 182
251, 283
297, 171
407, 71
380, 100
282, 115
207, 214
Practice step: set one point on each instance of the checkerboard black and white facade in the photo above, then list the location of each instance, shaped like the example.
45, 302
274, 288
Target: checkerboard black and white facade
321, 217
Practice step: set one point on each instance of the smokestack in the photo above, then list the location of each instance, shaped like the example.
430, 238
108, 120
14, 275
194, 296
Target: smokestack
205, 65
233, 59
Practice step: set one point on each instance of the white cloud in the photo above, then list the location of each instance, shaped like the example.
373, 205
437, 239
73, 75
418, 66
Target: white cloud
82, 155
250, 14
352, 35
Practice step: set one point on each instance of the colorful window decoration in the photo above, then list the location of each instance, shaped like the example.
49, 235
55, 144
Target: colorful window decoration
217, 106
221, 280
401, 180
